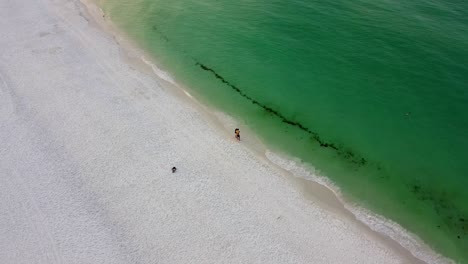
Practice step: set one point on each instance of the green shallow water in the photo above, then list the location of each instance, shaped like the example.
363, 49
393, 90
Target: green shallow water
372, 93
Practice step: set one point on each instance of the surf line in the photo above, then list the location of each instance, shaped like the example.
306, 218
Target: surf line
347, 154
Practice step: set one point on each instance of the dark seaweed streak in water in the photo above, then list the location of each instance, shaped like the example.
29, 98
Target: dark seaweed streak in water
163, 36
341, 152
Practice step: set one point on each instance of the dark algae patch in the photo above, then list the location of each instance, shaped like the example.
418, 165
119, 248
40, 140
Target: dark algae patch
347, 154
452, 217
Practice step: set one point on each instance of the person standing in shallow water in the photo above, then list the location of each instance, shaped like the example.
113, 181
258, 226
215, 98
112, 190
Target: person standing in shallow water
237, 134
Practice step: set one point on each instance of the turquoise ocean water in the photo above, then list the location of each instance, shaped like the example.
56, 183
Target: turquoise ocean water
373, 93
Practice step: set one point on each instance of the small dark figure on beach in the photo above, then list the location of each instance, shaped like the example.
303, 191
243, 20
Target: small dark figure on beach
174, 169
237, 134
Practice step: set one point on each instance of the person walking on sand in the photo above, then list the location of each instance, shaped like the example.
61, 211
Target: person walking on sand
237, 134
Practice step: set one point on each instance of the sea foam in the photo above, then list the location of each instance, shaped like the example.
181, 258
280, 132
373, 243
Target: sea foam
160, 73
374, 221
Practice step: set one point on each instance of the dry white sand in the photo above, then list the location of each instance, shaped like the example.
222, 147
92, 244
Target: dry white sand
87, 142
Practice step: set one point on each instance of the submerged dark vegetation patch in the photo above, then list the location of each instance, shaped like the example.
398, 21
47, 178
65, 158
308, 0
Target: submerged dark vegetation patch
452, 217
347, 154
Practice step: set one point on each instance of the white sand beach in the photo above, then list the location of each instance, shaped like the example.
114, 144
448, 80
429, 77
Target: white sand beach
88, 137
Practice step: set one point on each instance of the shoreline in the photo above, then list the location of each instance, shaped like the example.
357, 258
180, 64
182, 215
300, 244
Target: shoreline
329, 194
327, 200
